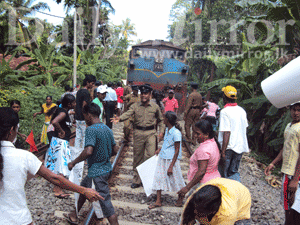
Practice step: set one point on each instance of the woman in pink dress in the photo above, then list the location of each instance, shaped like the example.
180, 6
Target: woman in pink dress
204, 161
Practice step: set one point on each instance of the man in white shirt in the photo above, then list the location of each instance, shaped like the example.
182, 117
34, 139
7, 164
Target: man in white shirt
110, 104
232, 134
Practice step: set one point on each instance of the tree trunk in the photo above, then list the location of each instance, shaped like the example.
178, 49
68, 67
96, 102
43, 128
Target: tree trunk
207, 97
95, 24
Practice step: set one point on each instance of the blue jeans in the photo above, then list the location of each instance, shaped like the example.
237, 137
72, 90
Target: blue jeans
231, 165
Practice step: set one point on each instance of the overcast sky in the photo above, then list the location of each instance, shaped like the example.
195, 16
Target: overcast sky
151, 18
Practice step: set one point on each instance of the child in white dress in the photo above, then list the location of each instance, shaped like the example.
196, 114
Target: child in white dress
168, 176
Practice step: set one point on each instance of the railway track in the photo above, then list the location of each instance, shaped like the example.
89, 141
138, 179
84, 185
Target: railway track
131, 205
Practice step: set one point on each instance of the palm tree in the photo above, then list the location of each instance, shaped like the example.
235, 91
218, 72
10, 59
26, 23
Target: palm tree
22, 11
127, 28
88, 21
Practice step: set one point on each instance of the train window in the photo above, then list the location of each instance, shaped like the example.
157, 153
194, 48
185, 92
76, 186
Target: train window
137, 52
167, 54
172, 54
149, 53
180, 56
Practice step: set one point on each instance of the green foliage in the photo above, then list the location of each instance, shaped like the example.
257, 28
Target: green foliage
31, 101
243, 70
5, 68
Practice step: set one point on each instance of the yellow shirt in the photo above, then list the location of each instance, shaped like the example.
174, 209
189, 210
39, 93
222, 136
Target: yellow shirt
290, 152
46, 109
236, 201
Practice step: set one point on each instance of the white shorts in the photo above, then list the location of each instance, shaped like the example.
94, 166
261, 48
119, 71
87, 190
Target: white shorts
284, 195
120, 105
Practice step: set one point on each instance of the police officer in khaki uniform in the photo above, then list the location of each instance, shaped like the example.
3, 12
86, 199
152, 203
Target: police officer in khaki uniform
129, 100
127, 91
128, 88
145, 115
192, 112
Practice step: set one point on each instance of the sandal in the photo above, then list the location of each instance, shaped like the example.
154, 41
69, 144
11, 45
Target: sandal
68, 218
154, 206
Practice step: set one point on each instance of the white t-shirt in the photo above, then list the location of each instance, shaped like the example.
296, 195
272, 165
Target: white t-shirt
17, 164
111, 95
234, 119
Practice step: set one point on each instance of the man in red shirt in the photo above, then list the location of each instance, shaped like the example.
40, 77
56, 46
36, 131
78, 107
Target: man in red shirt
119, 92
171, 103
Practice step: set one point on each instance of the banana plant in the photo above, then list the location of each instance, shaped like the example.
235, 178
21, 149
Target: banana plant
43, 58
5, 68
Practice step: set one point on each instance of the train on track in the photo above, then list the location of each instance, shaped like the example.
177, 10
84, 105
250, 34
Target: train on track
162, 65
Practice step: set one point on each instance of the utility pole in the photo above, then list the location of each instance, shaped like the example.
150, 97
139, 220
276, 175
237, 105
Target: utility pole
75, 49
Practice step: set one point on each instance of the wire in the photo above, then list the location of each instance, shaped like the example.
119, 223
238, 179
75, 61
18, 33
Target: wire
38, 11
49, 14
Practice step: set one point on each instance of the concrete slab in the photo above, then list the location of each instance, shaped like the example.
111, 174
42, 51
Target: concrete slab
139, 190
137, 206
125, 176
123, 222
184, 173
129, 159
127, 189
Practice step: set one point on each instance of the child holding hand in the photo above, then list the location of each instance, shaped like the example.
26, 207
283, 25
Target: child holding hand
168, 176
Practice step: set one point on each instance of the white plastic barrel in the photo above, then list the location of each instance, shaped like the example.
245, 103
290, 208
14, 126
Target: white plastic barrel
283, 87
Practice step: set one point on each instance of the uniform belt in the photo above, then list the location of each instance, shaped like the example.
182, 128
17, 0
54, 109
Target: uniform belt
196, 107
144, 128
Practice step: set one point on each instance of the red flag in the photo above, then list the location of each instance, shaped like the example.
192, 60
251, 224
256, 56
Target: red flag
30, 141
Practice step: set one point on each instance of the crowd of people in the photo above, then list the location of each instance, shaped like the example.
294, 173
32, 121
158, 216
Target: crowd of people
215, 194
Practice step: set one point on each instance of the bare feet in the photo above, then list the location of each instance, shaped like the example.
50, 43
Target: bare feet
179, 202
154, 206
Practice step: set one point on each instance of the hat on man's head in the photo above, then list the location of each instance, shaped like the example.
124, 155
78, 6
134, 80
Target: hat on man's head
295, 103
171, 91
230, 92
101, 89
194, 85
145, 88
135, 87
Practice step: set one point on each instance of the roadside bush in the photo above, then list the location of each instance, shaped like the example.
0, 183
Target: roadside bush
31, 101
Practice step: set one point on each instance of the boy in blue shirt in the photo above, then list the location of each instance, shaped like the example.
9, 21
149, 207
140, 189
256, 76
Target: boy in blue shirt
99, 147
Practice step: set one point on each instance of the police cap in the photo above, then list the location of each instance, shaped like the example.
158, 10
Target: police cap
145, 88
135, 87
194, 85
